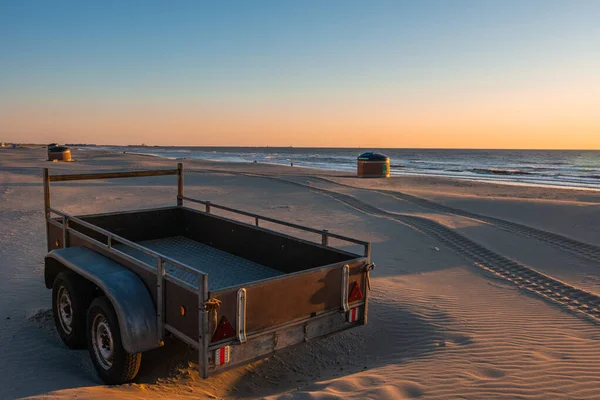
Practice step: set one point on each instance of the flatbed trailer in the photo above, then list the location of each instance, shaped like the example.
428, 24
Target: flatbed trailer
234, 291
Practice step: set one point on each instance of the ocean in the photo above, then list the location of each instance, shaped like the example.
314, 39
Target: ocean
560, 168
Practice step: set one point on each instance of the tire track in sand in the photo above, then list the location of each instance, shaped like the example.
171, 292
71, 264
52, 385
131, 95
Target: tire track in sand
549, 288
581, 249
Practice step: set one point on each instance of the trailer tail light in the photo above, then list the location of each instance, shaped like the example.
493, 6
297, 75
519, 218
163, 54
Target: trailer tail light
353, 314
222, 355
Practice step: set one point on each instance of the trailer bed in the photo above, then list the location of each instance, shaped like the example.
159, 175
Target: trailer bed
225, 269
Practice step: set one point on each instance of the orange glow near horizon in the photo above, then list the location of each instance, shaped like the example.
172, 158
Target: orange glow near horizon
524, 119
437, 131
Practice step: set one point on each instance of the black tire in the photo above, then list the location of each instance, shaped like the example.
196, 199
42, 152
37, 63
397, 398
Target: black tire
113, 364
69, 306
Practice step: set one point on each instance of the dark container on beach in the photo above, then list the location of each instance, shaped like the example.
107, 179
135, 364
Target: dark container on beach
373, 165
59, 153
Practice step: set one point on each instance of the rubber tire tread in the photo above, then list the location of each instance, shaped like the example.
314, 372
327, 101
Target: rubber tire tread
77, 288
125, 365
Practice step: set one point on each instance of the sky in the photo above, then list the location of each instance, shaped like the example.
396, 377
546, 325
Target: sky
330, 73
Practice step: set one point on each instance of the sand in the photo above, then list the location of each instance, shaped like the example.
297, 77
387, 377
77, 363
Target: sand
455, 311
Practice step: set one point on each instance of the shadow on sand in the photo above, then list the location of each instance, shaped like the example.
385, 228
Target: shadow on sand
394, 335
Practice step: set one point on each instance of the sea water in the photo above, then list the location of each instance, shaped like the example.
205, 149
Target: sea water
562, 168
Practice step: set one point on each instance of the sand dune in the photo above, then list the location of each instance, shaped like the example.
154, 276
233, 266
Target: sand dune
474, 296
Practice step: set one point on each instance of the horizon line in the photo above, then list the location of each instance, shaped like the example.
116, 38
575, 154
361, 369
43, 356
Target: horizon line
316, 147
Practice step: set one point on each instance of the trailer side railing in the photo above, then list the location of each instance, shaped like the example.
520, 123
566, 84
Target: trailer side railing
325, 234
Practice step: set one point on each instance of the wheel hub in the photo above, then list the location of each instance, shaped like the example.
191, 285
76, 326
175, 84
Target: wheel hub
65, 310
102, 341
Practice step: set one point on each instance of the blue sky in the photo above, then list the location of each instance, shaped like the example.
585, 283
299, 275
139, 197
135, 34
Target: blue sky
234, 56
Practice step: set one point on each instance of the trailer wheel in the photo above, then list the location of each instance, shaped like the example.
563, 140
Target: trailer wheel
113, 364
68, 308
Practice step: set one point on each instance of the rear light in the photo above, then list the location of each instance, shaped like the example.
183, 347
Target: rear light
222, 355
353, 314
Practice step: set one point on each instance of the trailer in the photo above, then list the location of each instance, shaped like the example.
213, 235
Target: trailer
234, 291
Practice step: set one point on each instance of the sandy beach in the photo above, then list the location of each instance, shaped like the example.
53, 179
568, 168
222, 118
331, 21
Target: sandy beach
454, 313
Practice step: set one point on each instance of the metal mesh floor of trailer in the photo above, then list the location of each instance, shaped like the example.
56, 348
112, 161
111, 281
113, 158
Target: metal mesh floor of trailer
223, 269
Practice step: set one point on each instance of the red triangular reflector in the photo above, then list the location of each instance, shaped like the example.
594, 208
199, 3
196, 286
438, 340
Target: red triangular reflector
224, 330
355, 293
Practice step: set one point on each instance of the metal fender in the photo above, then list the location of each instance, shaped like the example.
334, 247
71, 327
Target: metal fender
126, 291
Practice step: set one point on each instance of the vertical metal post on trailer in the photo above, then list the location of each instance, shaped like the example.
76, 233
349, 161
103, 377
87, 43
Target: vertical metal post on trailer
46, 178
366, 283
345, 288
65, 231
241, 316
325, 238
179, 184
160, 302
203, 324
